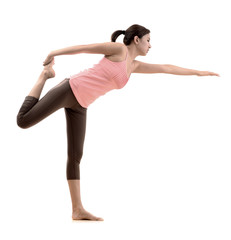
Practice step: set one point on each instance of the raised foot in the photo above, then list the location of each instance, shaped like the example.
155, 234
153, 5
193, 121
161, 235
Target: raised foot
48, 71
84, 215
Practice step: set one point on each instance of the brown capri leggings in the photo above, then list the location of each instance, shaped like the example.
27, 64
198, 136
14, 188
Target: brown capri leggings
33, 111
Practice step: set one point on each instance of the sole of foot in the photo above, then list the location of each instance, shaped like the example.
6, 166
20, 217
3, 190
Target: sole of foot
84, 215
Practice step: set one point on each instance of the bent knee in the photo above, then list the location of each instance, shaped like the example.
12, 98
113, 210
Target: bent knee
22, 123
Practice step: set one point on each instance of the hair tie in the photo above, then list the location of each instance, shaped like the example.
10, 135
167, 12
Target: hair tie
123, 32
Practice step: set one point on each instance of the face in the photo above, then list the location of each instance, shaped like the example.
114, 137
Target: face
143, 44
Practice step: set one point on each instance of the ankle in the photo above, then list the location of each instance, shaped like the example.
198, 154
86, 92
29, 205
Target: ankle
77, 209
45, 74
43, 77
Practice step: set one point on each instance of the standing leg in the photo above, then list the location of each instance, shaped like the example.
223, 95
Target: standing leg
76, 127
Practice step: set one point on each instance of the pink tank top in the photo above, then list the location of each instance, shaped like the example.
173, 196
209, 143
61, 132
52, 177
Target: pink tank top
94, 82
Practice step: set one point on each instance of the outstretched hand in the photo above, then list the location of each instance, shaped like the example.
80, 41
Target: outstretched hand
48, 59
206, 73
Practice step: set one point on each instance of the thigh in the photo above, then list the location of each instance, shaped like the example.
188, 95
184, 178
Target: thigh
60, 96
76, 118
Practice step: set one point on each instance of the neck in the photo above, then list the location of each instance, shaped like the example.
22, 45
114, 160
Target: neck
132, 51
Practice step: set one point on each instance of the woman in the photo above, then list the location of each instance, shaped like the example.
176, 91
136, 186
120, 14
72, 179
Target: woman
76, 93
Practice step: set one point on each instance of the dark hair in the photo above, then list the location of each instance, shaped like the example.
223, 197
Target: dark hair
130, 33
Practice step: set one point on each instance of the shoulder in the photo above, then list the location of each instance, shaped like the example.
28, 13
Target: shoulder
106, 48
115, 48
116, 52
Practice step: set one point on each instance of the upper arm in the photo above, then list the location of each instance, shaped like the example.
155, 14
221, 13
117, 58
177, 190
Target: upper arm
141, 67
107, 48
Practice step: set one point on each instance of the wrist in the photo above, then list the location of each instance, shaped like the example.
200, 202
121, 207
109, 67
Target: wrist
52, 54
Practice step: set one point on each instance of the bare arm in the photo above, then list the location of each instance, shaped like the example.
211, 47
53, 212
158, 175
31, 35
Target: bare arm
172, 69
141, 67
107, 48
185, 71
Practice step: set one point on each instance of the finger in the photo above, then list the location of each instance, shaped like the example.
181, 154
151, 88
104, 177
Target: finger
215, 74
46, 63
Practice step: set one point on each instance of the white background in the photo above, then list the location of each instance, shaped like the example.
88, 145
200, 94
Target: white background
156, 161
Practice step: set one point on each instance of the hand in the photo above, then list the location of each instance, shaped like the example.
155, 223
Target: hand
49, 58
206, 73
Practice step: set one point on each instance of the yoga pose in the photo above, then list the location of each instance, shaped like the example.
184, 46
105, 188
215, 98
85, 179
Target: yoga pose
76, 93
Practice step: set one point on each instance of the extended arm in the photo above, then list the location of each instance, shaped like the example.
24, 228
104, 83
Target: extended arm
172, 69
107, 48
98, 48
185, 71
141, 67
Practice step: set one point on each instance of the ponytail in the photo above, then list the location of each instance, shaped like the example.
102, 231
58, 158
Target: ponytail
130, 33
116, 34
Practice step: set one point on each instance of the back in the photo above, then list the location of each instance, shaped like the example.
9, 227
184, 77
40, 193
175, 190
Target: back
94, 82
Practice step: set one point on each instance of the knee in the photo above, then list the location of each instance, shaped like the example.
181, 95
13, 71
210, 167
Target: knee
75, 157
24, 121
21, 122
73, 164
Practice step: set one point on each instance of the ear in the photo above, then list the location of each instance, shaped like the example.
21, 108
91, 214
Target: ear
136, 39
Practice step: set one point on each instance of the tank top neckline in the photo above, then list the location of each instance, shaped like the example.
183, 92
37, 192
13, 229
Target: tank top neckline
122, 62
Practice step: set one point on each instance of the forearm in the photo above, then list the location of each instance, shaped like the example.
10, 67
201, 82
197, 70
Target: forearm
68, 51
171, 69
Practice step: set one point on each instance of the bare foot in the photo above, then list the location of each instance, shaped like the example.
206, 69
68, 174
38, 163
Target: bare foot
84, 215
48, 70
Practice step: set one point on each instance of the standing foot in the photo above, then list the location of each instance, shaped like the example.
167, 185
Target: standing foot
84, 215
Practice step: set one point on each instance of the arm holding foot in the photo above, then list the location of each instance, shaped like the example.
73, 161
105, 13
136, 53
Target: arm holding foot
106, 48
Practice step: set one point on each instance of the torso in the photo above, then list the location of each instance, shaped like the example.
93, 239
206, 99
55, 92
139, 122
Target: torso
120, 58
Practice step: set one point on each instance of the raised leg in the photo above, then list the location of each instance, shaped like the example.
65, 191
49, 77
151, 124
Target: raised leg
47, 72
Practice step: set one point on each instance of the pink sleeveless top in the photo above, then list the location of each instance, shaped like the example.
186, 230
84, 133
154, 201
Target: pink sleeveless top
94, 82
